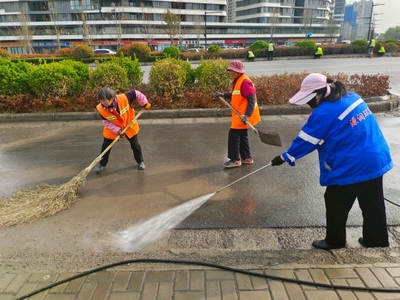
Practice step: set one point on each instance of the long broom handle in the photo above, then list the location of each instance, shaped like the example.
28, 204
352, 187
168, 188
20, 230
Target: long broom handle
98, 158
241, 178
238, 114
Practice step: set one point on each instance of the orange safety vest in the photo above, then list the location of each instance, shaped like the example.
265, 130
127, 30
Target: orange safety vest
127, 114
239, 103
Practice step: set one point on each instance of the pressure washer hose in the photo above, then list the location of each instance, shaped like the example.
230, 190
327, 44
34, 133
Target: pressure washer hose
205, 264
188, 262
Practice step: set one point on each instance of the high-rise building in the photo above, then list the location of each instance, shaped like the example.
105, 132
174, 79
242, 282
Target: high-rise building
46, 25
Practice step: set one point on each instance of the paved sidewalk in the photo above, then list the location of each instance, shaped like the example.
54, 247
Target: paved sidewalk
189, 282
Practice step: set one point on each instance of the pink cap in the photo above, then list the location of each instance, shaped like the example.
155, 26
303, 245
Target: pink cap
312, 82
237, 66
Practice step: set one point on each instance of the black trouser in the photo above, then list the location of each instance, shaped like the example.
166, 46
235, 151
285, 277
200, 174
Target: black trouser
270, 55
135, 146
338, 201
238, 144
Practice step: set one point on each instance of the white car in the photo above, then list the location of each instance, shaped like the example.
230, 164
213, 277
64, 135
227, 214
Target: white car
104, 51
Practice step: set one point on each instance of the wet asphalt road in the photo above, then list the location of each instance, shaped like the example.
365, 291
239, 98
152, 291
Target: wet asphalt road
184, 161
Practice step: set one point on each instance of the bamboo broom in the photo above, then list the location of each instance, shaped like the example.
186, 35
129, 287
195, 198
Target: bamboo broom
26, 206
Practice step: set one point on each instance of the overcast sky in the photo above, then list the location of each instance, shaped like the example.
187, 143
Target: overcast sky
390, 14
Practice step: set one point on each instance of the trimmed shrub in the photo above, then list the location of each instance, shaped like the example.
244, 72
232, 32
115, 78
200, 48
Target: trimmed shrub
212, 76
81, 69
52, 80
259, 45
108, 74
214, 49
14, 77
168, 80
172, 51
64, 52
139, 51
391, 47
82, 51
4, 53
307, 47
132, 67
123, 51
359, 46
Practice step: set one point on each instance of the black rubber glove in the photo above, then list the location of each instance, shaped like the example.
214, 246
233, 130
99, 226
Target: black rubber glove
277, 161
216, 95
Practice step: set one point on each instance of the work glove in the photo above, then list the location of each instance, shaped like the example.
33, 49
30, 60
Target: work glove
147, 105
122, 135
277, 161
217, 95
245, 119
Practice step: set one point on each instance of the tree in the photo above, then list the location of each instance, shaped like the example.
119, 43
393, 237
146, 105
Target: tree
307, 21
87, 29
25, 32
117, 23
148, 28
330, 29
273, 21
172, 24
198, 28
56, 29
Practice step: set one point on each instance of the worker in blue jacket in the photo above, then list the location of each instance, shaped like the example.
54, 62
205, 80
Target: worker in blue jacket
353, 156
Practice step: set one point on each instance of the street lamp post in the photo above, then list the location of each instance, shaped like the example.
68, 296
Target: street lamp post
205, 25
370, 36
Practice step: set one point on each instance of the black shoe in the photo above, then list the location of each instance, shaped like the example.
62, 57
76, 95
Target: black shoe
321, 244
361, 241
100, 169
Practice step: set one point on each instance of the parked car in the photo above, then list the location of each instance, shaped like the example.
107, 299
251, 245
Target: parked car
104, 51
192, 50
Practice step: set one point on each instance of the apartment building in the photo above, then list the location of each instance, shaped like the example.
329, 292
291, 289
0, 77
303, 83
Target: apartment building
46, 25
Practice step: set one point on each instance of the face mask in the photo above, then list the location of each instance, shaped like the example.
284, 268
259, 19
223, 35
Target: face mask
313, 102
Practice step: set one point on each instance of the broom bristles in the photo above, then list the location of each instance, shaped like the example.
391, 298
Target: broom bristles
29, 205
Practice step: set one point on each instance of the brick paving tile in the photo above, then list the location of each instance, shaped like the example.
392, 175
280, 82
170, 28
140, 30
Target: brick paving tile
340, 273
103, 276
213, 291
159, 275
74, 285
345, 294
197, 280
102, 291
26, 289
277, 290
5, 281
6, 297
165, 291
15, 284
150, 291
86, 291
319, 295
43, 277
59, 288
395, 272
59, 297
387, 296
228, 290
244, 282
294, 291
136, 281
221, 275
182, 280
124, 296
121, 281
384, 277
368, 277
318, 275
254, 295
190, 295
304, 275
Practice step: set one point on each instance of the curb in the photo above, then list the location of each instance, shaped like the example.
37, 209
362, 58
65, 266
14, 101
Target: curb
376, 104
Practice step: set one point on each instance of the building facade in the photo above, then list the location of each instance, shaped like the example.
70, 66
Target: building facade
44, 26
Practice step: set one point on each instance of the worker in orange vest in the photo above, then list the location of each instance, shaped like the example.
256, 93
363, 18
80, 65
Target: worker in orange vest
243, 99
117, 112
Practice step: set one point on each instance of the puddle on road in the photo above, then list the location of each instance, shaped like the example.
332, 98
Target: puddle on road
139, 235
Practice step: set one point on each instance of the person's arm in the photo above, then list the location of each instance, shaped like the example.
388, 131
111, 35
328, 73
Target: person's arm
248, 91
114, 128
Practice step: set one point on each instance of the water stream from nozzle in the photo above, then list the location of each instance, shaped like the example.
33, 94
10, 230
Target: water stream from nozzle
137, 236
